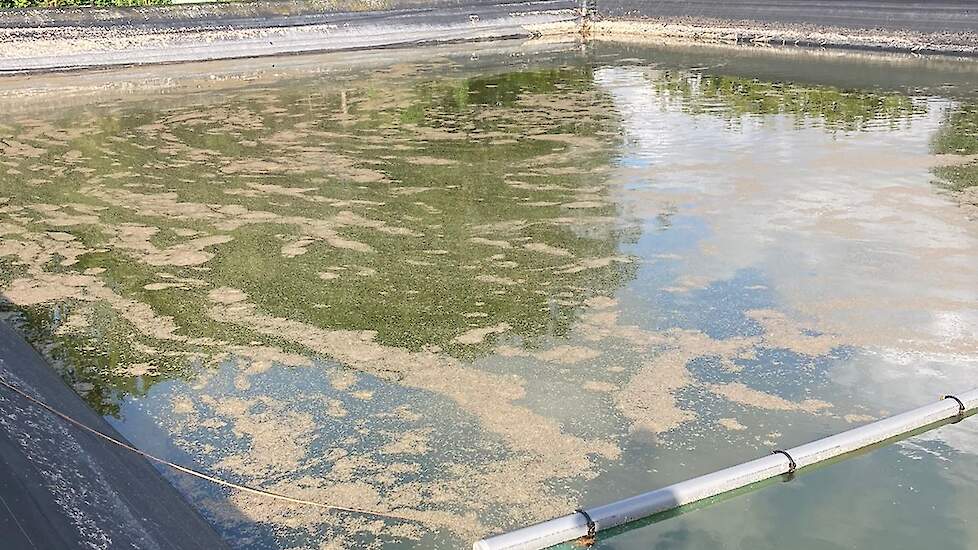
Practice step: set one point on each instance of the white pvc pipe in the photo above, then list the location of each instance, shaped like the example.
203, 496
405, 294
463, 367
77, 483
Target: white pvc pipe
573, 526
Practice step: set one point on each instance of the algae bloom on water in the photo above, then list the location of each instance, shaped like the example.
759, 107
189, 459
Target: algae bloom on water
480, 293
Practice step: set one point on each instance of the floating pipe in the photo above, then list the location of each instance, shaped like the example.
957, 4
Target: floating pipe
587, 522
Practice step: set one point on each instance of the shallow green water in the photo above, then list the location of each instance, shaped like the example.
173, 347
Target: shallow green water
484, 290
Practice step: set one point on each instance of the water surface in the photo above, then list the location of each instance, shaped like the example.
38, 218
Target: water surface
482, 291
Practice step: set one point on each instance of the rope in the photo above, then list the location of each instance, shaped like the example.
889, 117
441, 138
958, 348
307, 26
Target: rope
791, 463
201, 475
592, 529
961, 407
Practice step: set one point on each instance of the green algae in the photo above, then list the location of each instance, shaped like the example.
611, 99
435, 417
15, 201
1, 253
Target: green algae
958, 136
405, 185
429, 170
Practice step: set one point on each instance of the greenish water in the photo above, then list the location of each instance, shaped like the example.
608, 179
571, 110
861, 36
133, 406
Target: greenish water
480, 292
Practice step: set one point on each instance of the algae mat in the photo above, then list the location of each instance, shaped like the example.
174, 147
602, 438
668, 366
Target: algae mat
483, 293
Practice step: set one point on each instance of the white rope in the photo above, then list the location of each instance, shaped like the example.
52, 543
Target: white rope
201, 475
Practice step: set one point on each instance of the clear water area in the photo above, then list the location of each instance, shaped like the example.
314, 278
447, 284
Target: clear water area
481, 291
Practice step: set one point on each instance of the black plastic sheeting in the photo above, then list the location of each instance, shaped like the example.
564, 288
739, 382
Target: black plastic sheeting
272, 13
86, 37
936, 16
63, 488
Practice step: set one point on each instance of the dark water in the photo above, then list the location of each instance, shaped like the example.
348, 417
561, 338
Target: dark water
486, 288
